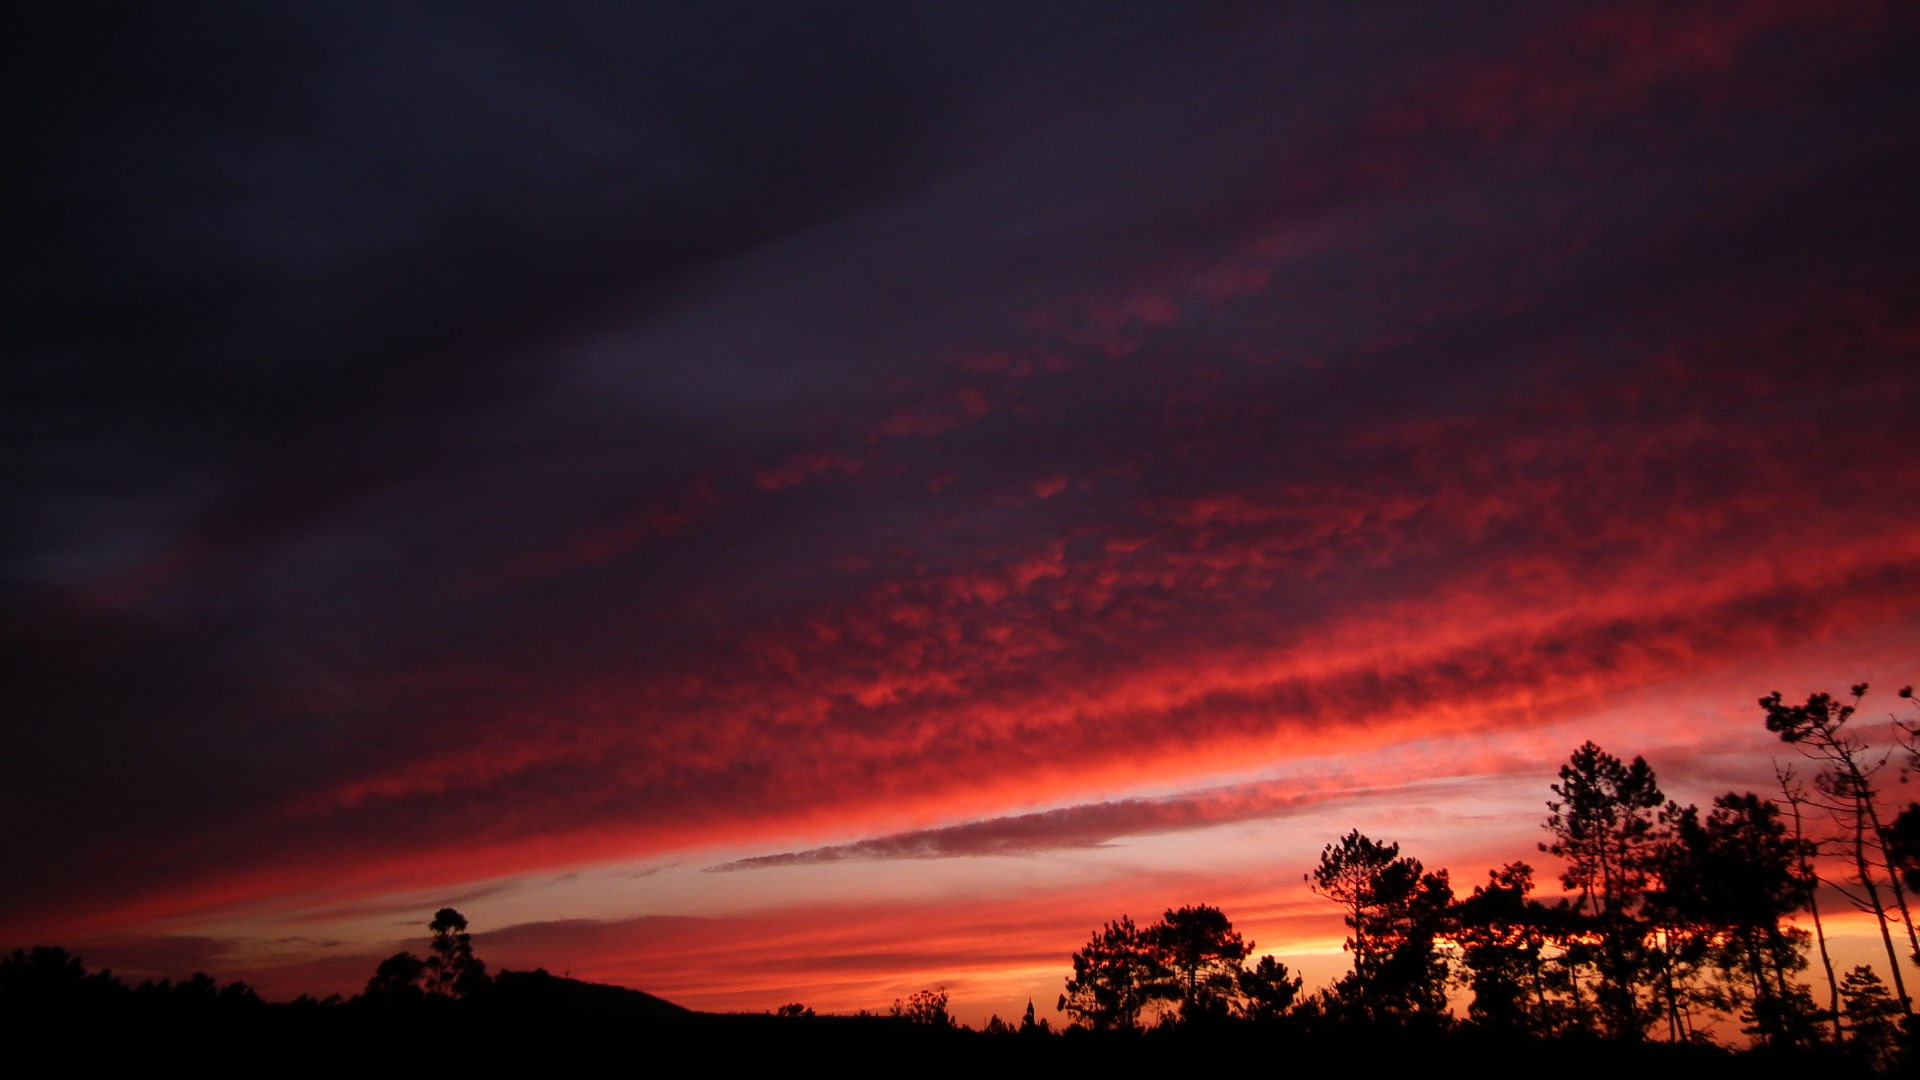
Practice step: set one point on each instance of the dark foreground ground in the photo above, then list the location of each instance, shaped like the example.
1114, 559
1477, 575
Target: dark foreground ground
543, 1024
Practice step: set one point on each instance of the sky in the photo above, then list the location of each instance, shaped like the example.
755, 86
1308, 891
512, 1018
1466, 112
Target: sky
768, 502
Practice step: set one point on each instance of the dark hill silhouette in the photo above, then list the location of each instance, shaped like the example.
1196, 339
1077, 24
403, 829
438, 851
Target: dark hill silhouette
537, 1023
539, 993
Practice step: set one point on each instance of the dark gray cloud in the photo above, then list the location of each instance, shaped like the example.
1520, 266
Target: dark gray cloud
1083, 826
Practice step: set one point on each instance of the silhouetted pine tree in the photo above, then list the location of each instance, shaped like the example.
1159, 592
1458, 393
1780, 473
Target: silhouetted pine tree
1873, 1017
1686, 939
1267, 990
1115, 977
1735, 871
1502, 935
1202, 953
1605, 827
1397, 912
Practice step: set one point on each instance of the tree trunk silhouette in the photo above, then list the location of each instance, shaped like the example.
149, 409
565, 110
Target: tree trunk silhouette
1794, 796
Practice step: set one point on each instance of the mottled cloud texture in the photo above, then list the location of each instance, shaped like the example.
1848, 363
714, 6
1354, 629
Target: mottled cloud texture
450, 442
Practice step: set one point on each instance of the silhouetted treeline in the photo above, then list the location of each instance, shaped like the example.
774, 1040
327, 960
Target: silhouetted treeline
43, 982
1674, 922
535, 1023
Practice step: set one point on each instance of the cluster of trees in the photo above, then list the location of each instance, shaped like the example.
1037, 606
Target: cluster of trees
50, 979
929, 1009
1191, 965
47, 979
450, 970
1671, 920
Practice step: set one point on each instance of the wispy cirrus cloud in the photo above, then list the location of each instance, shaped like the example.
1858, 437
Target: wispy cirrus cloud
1087, 825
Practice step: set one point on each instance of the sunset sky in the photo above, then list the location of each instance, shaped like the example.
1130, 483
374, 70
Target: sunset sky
767, 502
